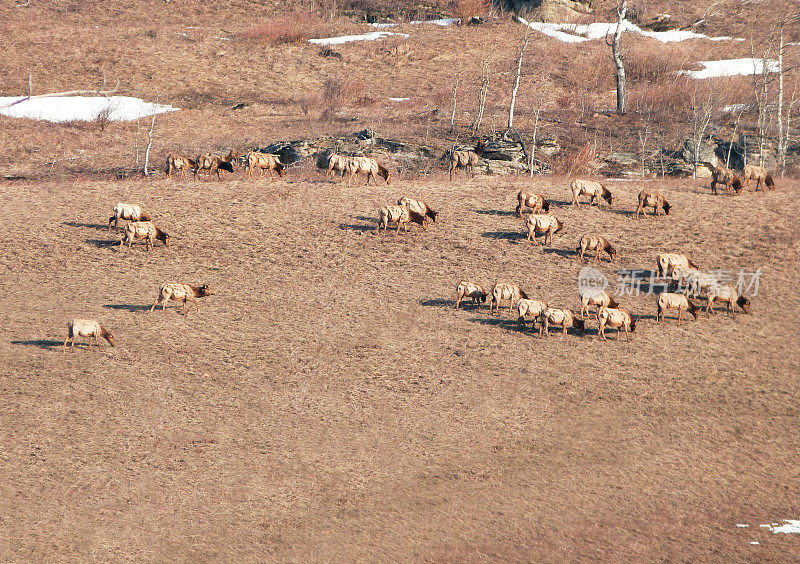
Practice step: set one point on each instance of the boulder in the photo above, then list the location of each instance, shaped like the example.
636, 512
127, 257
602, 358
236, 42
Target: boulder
548, 146
622, 159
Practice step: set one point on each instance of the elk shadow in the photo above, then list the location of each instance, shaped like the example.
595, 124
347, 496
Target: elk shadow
566, 253
507, 235
127, 307
46, 344
439, 302
357, 227
509, 324
618, 211
87, 225
496, 212
103, 243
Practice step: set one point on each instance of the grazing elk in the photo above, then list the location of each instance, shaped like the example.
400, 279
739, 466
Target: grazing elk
728, 295
559, 317
597, 244
655, 201
696, 281
131, 212
336, 163
261, 161
466, 289
181, 293
400, 215
726, 177
368, 166
418, 206
530, 308
211, 163
668, 300
505, 291
594, 297
181, 164
87, 328
536, 202
143, 230
466, 159
759, 173
543, 223
591, 188
615, 318
667, 262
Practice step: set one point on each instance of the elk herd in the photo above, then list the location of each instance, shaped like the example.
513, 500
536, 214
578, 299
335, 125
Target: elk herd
533, 208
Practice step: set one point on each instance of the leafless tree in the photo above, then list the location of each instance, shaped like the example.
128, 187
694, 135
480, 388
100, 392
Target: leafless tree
149, 142
453, 113
616, 54
482, 92
516, 81
700, 113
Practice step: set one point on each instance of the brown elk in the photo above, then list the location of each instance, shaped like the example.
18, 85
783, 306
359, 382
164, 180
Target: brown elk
143, 230
536, 202
337, 163
728, 295
181, 164
466, 159
615, 318
505, 291
668, 300
87, 328
597, 244
667, 262
591, 188
368, 166
261, 161
419, 206
211, 163
466, 289
543, 223
181, 293
759, 173
655, 201
131, 212
563, 317
727, 178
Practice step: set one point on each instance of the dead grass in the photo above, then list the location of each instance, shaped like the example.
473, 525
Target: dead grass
329, 402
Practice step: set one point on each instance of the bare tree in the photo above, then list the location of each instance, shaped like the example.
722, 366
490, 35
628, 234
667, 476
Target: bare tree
733, 137
700, 114
616, 54
482, 92
453, 114
516, 81
644, 135
149, 142
761, 96
532, 158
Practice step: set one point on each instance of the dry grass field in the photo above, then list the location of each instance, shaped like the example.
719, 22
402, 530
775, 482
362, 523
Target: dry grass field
328, 403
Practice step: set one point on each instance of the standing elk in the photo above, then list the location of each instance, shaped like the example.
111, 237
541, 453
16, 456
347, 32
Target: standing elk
595, 297
418, 206
466, 159
181, 164
655, 201
131, 212
615, 318
530, 308
505, 291
729, 296
143, 230
597, 244
261, 161
181, 293
466, 289
759, 173
559, 317
87, 328
591, 188
543, 223
668, 262
211, 163
368, 166
536, 202
727, 178
400, 215
336, 163
668, 300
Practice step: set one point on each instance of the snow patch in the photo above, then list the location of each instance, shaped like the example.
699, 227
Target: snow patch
741, 525
574, 33
371, 36
789, 526
59, 109
441, 22
730, 109
732, 67
755, 542
383, 25
399, 99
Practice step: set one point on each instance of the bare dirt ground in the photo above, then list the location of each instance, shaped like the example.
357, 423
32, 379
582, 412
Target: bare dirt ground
330, 404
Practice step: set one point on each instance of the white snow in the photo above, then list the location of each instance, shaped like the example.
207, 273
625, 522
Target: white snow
80, 108
442, 22
380, 25
371, 36
734, 108
789, 526
399, 99
741, 525
574, 33
755, 542
732, 67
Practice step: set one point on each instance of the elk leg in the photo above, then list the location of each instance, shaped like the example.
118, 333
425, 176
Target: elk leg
65, 343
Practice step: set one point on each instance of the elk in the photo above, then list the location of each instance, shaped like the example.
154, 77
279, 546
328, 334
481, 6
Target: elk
725, 176
180, 163
400, 215
144, 230
466, 159
87, 328
466, 289
255, 160
760, 174
655, 201
530, 308
729, 296
368, 166
543, 223
536, 202
131, 212
597, 244
505, 291
595, 297
591, 188
181, 293
668, 300
563, 317
667, 262
418, 206
336, 163
616, 319
211, 163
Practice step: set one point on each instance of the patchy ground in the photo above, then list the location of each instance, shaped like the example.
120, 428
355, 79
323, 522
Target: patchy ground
329, 403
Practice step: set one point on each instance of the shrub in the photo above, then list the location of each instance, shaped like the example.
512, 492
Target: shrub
466, 9
297, 26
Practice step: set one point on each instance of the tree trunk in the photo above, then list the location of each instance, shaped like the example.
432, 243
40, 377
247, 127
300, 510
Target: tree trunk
453, 114
149, 143
516, 81
781, 146
616, 54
